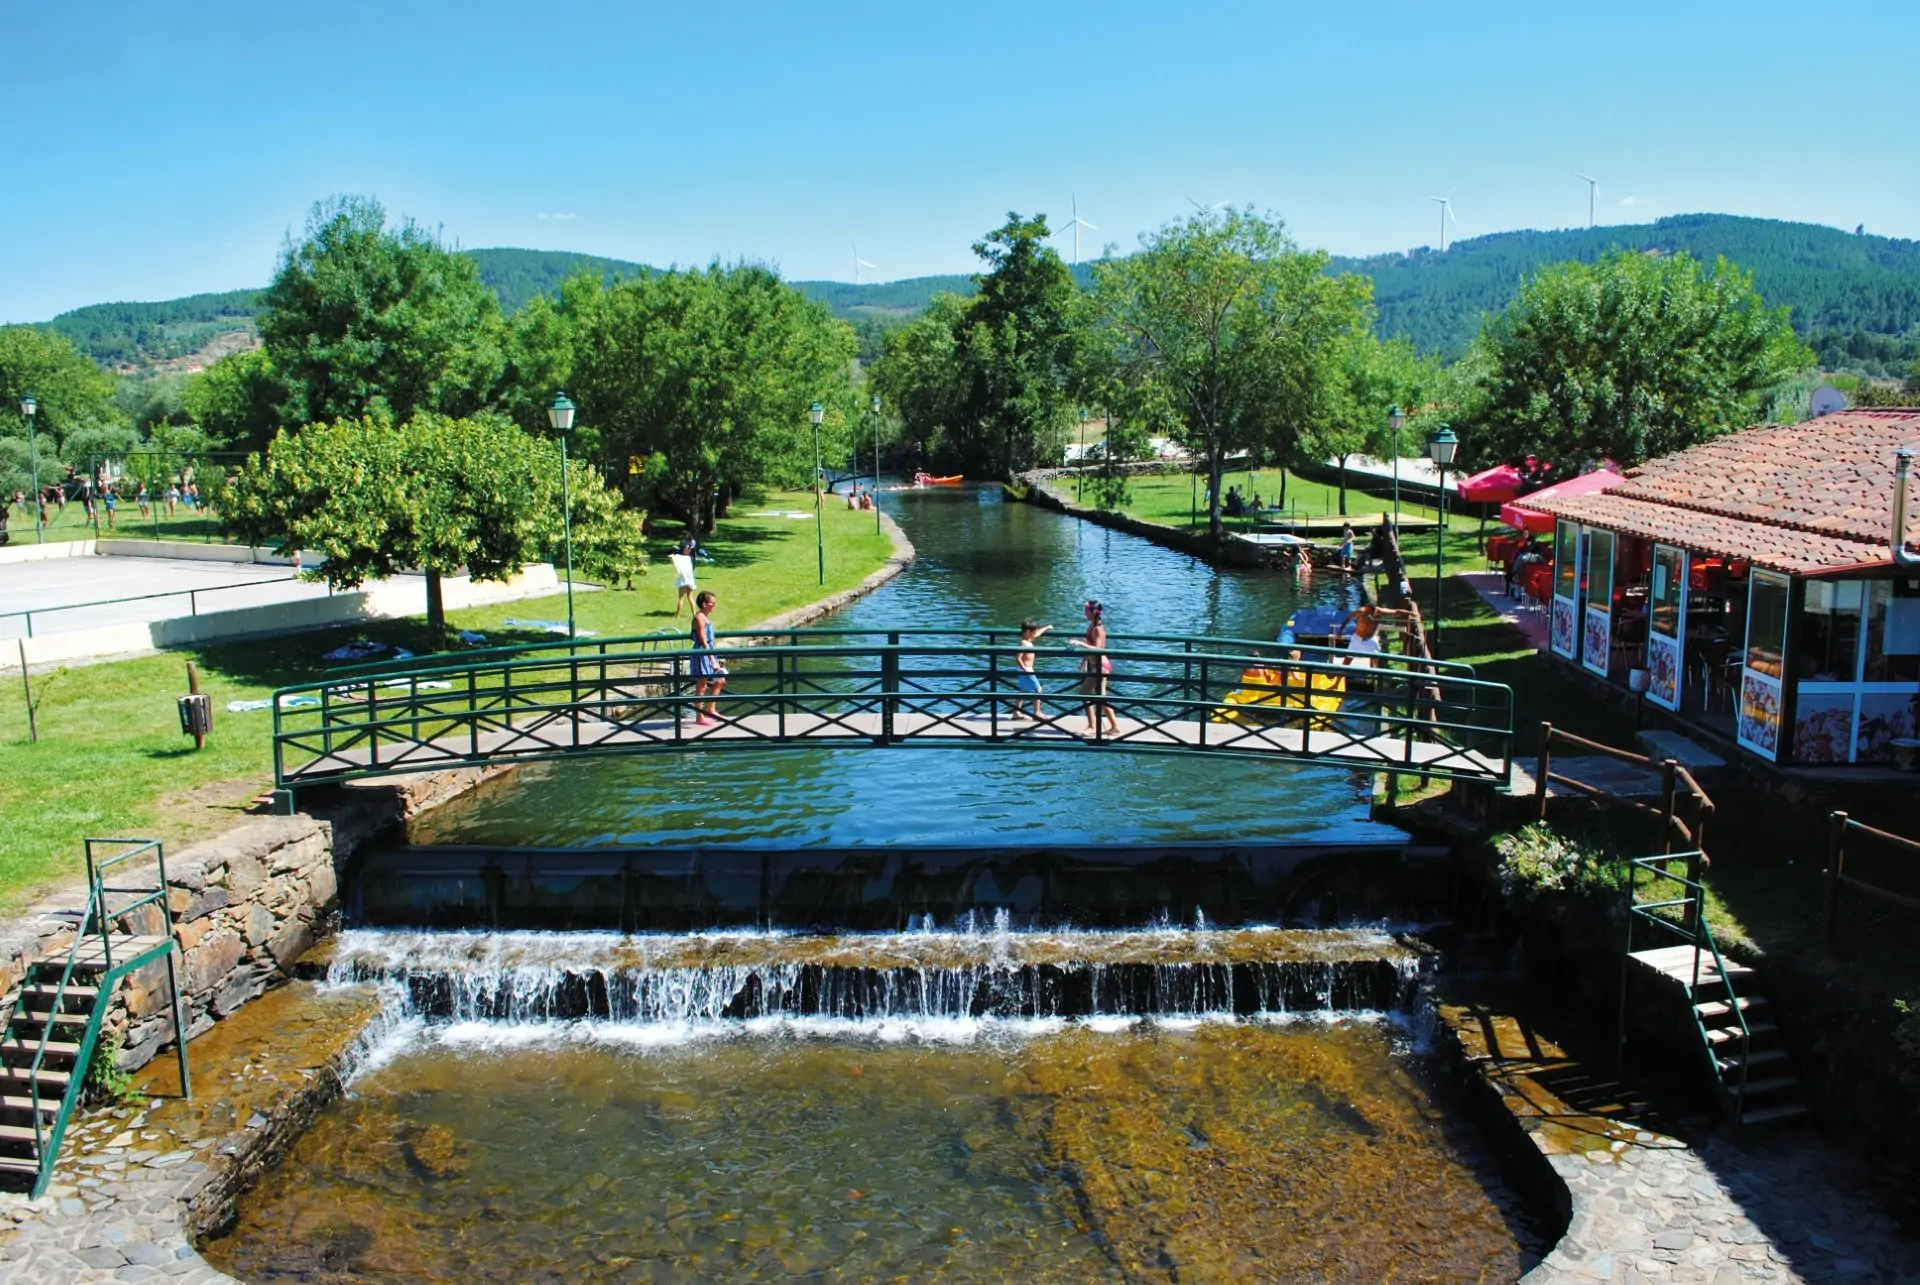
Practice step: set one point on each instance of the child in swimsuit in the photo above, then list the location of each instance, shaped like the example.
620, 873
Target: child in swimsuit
1096, 668
1030, 632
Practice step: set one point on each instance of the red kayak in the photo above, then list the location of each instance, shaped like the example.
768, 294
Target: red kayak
927, 479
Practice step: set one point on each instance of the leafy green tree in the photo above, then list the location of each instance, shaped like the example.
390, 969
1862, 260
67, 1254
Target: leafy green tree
1019, 349
440, 495
702, 379
70, 391
238, 401
363, 319
1240, 329
920, 377
1633, 357
1370, 377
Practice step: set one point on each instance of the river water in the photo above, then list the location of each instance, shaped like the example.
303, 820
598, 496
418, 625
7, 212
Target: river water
981, 561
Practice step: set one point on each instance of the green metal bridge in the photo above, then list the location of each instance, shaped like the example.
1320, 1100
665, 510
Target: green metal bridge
905, 688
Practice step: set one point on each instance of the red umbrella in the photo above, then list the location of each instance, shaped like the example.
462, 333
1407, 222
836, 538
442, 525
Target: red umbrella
1502, 482
1516, 514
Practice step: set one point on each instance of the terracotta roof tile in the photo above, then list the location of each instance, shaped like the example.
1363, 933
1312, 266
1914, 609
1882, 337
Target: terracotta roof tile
1796, 498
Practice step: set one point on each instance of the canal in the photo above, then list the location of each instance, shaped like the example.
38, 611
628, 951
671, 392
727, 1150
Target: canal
980, 561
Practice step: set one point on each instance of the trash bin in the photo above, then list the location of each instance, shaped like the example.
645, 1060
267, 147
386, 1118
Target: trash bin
196, 714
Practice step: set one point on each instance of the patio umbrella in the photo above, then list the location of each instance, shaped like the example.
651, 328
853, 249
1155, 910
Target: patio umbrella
1501, 482
1516, 514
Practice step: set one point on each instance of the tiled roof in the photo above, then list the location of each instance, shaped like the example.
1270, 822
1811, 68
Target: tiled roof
1796, 497
1774, 547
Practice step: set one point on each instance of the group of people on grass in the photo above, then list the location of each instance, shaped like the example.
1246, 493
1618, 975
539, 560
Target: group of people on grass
100, 501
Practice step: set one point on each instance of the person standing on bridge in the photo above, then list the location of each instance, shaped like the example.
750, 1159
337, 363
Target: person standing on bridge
1030, 633
709, 671
1097, 669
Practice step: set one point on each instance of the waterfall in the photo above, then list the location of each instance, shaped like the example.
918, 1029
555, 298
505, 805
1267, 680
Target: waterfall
926, 975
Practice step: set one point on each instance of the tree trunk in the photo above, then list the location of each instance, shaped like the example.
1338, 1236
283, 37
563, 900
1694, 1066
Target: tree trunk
1343, 486
436, 607
1216, 469
1283, 485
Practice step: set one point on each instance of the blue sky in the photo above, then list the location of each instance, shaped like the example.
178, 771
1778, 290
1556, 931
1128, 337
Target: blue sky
149, 151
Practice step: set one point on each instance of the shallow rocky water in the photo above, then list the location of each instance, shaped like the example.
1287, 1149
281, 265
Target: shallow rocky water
989, 1151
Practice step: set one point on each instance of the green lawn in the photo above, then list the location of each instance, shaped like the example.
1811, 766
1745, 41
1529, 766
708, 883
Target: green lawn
129, 523
111, 759
1172, 498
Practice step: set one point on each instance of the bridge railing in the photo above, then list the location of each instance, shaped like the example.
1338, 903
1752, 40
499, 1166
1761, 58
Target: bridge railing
1177, 695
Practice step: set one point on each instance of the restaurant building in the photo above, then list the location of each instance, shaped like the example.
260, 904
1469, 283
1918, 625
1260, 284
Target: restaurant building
1756, 586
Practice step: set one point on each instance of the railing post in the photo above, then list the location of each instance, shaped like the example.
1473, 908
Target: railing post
993, 691
675, 709
1201, 708
780, 689
889, 687
1544, 766
373, 723
1836, 865
573, 692
1668, 786
473, 715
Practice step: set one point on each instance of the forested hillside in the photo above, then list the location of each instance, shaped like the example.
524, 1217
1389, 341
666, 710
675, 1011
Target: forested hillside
1855, 297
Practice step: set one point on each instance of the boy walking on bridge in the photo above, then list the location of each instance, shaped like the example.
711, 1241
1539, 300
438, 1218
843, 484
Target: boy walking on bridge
1030, 633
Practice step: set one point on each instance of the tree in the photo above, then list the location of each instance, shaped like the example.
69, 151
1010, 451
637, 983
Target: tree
238, 401
439, 495
1370, 377
70, 391
1018, 348
363, 319
704, 379
921, 379
1238, 327
1629, 358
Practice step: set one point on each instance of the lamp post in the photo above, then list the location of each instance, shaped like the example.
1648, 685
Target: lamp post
816, 413
28, 408
1440, 449
560, 415
876, 463
1397, 420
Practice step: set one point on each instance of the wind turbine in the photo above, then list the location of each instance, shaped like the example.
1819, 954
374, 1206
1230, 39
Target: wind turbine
1446, 212
1593, 193
859, 263
1076, 223
1205, 209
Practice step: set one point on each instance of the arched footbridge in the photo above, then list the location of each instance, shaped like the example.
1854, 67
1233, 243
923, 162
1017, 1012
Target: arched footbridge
895, 689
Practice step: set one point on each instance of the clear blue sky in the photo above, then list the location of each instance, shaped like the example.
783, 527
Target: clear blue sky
149, 151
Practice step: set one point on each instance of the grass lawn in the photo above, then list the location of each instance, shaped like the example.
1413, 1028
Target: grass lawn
111, 759
72, 523
1171, 498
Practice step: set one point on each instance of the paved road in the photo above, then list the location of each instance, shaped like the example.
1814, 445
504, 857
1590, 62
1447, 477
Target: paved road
59, 590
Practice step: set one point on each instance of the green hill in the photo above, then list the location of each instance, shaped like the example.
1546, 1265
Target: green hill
1855, 297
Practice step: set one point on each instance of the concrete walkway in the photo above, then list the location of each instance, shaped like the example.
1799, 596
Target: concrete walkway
1492, 588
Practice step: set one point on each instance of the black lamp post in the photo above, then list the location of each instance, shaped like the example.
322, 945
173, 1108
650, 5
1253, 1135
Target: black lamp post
1080, 465
876, 462
1440, 449
1397, 420
560, 415
816, 413
28, 408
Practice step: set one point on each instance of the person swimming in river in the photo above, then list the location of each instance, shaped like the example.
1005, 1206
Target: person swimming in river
1031, 632
1097, 669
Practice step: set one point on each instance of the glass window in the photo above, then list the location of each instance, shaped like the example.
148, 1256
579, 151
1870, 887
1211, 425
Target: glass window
1566, 560
1766, 623
1828, 648
1891, 655
1663, 595
1600, 570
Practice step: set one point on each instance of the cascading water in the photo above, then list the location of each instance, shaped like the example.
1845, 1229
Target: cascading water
926, 975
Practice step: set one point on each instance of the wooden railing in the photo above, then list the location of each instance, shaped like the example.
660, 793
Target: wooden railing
1676, 785
1837, 876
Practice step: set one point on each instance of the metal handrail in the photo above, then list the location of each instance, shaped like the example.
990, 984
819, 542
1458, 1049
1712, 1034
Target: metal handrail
525, 694
1698, 933
192, 596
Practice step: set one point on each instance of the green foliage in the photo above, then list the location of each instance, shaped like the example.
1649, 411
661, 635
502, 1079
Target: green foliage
85, 447
518, 277
237, 401
1630, 358
363, 319
1370, 377
145, 401
1538, 860
920, 376
129, 333
105, 1079
1834, 283
71, 391
704, 377
1242, 332
609, 541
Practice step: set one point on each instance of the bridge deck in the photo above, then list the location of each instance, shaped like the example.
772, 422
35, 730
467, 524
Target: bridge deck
551, 733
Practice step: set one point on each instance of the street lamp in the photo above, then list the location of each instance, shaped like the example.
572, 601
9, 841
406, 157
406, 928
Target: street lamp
876, 462
560, 415
1440, 449
816, 413
1397, 420
28, 408
1080, 465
